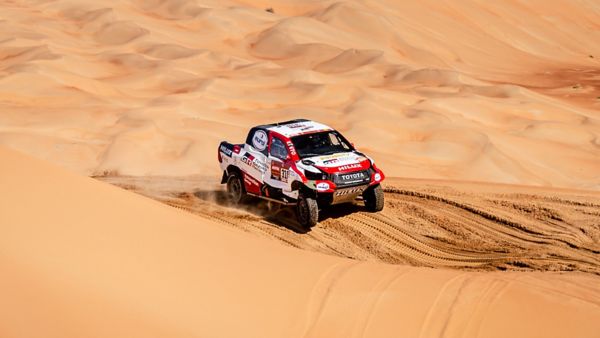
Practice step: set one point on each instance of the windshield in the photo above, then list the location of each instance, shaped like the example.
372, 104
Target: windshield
323, 143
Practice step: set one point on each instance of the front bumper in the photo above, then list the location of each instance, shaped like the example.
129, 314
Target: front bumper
342, 181
345, 187
344, 195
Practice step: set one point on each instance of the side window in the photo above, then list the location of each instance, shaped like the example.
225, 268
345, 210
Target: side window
278, 149
335, 140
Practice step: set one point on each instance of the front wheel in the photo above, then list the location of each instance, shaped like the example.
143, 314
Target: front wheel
307, 212
235, 188
374, 198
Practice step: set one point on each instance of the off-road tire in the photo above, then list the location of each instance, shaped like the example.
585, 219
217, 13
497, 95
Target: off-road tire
374, 198
236, 192
307, 212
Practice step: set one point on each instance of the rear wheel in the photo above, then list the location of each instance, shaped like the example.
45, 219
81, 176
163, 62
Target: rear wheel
307, 212
374, 198
235, 188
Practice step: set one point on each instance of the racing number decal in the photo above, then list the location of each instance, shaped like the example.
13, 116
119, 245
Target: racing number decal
284, 175
279, 172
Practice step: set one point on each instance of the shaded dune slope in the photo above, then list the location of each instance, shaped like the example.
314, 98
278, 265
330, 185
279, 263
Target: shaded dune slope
83, 258
461, 225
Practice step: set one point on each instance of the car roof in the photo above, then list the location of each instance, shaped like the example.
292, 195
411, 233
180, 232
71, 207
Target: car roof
296, 127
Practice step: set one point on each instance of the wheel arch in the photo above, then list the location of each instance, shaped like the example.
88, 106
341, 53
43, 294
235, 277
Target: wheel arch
228, 171
303, 189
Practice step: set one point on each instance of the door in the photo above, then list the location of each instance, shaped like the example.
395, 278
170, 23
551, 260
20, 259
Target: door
277, 163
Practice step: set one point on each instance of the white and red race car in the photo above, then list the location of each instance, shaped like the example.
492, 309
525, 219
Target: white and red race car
301, 163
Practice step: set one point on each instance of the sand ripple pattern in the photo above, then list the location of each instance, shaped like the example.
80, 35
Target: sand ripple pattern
424, 223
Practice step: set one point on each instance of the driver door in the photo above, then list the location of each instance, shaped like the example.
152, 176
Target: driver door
277, 173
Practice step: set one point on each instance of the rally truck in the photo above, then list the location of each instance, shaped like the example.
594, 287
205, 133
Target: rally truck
300, 163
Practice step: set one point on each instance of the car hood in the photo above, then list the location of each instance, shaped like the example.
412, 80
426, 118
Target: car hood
340, 162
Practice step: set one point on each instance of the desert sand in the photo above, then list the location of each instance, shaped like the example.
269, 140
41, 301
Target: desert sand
82, 258
498, 92
444, 224
485, 117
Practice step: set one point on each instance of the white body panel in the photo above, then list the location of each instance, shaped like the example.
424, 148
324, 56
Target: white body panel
299, 128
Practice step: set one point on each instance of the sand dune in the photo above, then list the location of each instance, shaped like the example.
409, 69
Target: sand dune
468, 90
138, 93
83, 258
444, 224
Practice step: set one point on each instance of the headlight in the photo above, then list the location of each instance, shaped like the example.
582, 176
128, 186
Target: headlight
377, 177
315, 176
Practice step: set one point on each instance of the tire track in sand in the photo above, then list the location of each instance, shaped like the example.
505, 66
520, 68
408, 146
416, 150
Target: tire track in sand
428, 224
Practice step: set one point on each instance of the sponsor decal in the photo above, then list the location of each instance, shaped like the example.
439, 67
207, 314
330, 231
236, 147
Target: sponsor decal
349, 191
250, 180
259, 165
228, 152
295, 125
328, 157
353, 176
349, 166
247, 159
323, 186
253, 162
259, 140
276, 170
252, 185
311, 131
333, 160
291, 148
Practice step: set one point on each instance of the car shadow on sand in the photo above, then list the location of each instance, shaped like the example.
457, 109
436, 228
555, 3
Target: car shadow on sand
282, 216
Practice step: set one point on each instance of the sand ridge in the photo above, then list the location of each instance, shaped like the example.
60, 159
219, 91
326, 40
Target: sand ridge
467, 90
